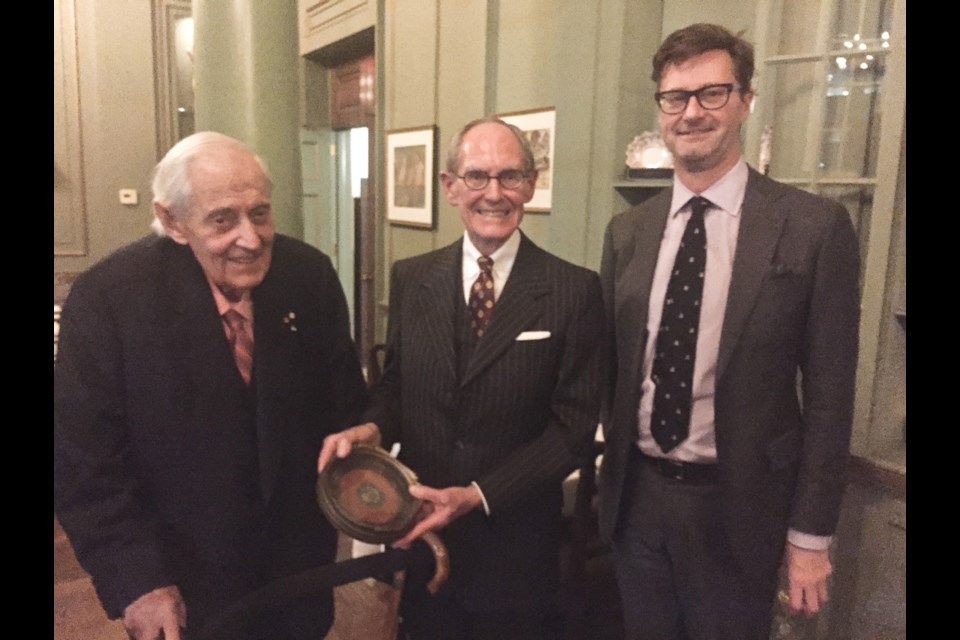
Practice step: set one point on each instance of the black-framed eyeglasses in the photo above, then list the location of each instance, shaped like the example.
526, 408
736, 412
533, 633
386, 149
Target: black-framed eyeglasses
509, 179
712, 96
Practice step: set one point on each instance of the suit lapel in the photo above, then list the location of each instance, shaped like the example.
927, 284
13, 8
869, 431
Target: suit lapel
276, 347
634, 285
436, 304
517, 308
757, 239
196, 327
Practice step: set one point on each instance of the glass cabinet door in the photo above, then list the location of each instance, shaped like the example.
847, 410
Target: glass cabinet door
830, 93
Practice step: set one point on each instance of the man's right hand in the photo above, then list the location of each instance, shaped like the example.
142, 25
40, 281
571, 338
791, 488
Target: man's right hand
155, 615
440, 508
341, 444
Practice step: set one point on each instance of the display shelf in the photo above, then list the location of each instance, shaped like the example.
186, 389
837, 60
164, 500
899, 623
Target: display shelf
637, 190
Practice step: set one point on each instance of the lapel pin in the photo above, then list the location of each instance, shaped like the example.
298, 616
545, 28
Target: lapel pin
289, 320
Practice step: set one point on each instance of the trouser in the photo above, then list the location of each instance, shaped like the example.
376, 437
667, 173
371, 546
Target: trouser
424, 616
676, 571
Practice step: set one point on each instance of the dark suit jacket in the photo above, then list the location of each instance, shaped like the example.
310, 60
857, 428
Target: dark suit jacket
516, 422
167, 469
793, 306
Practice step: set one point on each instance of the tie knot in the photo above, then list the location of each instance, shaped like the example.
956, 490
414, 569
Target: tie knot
234, 319
486, 264
699, 205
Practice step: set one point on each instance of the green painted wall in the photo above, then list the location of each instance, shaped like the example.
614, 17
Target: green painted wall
446, 63
248, 86
736, 15
117, 123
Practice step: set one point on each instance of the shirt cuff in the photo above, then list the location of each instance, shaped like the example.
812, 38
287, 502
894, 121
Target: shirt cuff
483, 498
808, 540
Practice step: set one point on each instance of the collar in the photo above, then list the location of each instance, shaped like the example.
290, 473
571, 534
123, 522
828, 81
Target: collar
244, 306
503, 258
727, 193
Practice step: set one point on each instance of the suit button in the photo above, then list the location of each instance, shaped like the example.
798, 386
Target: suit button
458, 445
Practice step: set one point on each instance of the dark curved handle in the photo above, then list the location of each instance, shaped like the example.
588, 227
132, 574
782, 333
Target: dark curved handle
442, 558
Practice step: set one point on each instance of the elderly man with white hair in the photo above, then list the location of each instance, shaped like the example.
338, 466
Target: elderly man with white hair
198, 372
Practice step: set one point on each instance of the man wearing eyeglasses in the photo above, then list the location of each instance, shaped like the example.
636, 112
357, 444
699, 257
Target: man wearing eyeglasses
492, 386
733, 308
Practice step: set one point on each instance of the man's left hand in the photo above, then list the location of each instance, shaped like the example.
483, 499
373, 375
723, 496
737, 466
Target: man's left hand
440, 508
807, 572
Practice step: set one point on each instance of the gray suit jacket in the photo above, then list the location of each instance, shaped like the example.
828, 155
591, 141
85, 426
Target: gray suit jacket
518, 420
793, 306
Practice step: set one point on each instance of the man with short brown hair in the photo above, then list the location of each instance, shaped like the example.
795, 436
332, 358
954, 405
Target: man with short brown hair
720, 291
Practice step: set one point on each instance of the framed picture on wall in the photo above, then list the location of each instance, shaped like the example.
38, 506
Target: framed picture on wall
539, 126
411, 176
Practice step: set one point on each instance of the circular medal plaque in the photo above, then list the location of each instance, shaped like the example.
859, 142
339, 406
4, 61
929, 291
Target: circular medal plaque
366, 495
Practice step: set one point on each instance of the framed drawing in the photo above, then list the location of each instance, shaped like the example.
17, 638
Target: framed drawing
539, 125
411, 176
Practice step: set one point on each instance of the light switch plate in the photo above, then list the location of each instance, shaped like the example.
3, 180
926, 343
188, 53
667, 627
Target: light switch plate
129, 196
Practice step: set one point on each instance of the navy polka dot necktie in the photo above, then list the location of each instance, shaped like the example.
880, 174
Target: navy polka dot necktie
677, 338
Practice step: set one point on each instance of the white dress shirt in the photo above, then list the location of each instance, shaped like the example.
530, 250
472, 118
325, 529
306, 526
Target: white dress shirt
722, 223
503, 259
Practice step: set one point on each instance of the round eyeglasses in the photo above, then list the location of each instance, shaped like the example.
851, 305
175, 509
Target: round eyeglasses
509, 179
710, 97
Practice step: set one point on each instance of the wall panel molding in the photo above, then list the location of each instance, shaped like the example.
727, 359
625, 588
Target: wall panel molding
69, 213
324, 22
166, 13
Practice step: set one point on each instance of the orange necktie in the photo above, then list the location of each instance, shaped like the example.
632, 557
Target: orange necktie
242, 342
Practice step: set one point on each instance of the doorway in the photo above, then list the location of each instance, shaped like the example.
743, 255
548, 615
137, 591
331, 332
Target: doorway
352, 170
338, 182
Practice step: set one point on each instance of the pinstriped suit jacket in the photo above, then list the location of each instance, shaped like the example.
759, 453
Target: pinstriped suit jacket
517, 422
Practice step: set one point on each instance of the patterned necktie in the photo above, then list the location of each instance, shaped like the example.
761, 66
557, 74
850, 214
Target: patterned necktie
677, 337
242, 342
481, 297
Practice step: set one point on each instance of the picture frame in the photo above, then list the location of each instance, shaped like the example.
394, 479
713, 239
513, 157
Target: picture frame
539, 126
411, 183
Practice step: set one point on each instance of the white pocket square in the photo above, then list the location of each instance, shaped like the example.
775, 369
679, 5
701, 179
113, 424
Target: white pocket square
533, 335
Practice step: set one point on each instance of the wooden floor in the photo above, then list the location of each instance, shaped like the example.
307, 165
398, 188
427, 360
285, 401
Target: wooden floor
77, 614
365, 610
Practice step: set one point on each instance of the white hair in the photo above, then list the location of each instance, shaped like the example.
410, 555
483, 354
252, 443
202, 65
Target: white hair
170, 182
